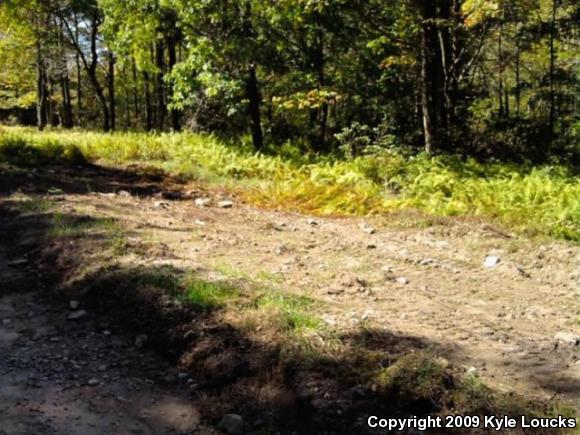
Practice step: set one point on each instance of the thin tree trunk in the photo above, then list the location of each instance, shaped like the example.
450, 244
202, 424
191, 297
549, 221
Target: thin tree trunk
53, 119
160, 85
79, 90
66, 101
255, 99
111, 86
79, 87
428, 77
41, 90
518, 84
91, 67
102, 101
67, 114
127, 98
447, 108
500, 69
135, 91
148, 108
553, 67
172, 55
319, 62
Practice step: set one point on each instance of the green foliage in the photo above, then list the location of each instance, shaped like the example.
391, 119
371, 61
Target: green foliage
536, 200
207, 295
290, 311
414, 377
17, 72
70, 226
19, 152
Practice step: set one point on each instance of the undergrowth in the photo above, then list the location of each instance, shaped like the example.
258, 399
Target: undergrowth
535, 200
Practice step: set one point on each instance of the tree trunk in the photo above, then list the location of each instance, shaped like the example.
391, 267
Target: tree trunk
66, 101
518, 85
160, 85
91, 67
553, 67
319, 62
500, 66
254, 97
135, 91
172, 54
148, 108
41, 90
446, 87
111, 86
102, 101
53, 117
126, 98
429, 77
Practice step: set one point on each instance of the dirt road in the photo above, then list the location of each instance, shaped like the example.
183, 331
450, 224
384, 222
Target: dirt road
60, 376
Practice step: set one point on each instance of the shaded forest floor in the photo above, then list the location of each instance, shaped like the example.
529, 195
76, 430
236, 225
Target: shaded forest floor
296, 323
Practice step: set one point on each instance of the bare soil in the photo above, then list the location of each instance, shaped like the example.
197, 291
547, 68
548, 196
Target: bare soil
419, 281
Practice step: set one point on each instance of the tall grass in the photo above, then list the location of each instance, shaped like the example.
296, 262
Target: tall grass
538, 200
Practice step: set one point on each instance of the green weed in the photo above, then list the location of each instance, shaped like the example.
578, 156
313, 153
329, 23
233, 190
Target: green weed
35, 205
70, 226
290, 311
207, 295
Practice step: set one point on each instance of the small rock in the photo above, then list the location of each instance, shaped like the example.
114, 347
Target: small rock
161, 204
403, 280
471, 371
74, 305
202, 202
225, 204
491, 261
281, 249
77, 315
567, 338
312, 222
368, 229
123, 193
371, 246
140, 341
329, 319
93, 382
232, 424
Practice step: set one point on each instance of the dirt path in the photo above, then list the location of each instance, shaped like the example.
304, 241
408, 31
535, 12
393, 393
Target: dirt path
515, 323
60, 376
429, 283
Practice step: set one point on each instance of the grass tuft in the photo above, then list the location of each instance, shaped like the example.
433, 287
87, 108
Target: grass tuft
206, 295
289, 313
